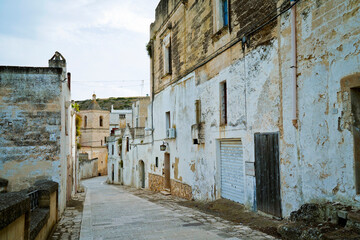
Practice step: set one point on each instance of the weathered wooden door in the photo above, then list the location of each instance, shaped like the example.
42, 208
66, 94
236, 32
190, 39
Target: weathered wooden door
267, 173
355, 110
167, 170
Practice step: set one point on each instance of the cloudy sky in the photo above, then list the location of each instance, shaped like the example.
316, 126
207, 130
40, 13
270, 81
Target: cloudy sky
103, 41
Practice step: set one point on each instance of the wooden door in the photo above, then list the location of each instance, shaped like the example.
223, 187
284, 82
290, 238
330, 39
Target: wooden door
355, 110
167, 171
267, 173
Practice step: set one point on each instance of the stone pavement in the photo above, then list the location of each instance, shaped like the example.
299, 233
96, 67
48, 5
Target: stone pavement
115, 212
68, 228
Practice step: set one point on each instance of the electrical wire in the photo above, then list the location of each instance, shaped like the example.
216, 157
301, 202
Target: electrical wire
238, 39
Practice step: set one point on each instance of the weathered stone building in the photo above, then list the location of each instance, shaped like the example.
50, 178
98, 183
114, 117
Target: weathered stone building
94, 131
256, 101
36, 139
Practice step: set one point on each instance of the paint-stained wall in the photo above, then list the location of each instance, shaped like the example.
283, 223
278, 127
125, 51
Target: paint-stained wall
32, 132
317, 158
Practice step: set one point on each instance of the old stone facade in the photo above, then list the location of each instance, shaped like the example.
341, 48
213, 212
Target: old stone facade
36, 137
94, 130
241, 104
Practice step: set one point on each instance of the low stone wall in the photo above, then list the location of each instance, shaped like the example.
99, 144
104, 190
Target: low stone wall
179, 189
15, 216
89, 168
18, 221
156, 182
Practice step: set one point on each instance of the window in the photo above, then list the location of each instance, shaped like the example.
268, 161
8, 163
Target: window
112, 149
156, 162
223, 103
121, 116
225, 12
101, 142
167, 54
101, 121
127, 144
167, 119
85, 121
221, 16
198, 111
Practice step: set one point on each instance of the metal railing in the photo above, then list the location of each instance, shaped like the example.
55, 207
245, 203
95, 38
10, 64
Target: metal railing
34, 199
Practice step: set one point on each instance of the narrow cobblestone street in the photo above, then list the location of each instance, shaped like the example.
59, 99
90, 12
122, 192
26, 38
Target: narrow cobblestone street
114, 212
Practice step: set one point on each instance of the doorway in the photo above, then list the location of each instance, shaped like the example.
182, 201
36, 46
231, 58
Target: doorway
120, 172
355, 110
112, 173
267, 173
142, 173
167, 184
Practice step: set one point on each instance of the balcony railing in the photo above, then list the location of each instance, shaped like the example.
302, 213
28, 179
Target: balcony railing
34, 199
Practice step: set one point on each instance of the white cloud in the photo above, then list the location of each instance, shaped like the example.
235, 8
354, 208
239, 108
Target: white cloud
102, 40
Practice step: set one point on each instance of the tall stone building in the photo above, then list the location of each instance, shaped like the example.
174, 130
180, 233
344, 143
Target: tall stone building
94, 130
256, 102
37, 134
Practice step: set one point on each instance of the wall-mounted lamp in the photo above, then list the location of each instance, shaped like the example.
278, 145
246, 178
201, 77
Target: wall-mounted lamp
163, 146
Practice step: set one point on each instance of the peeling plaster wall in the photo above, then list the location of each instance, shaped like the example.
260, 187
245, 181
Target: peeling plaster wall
197, 165
317, 161
33, 142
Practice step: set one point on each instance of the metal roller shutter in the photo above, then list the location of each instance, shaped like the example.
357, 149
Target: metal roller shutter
232, 171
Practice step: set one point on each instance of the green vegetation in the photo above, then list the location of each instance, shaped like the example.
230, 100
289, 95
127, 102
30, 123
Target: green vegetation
76, 107
78, 121
105, 104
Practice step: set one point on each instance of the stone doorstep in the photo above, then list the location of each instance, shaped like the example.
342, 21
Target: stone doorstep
165, 192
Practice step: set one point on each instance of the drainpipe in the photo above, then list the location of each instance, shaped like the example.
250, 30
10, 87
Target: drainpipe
152, 92
294, 64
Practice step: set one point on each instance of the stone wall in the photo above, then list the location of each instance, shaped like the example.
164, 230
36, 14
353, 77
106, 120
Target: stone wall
33, 142
316, 157
88, 168
180, 189
195, 39
156, 182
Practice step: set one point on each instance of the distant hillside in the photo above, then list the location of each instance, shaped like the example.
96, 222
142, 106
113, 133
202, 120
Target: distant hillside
105, 103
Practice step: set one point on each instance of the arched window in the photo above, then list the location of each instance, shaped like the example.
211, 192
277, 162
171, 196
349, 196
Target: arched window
101, 121
85, 121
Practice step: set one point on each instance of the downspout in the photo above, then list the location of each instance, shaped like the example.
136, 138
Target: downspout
294, 96
152, 92
294, 63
